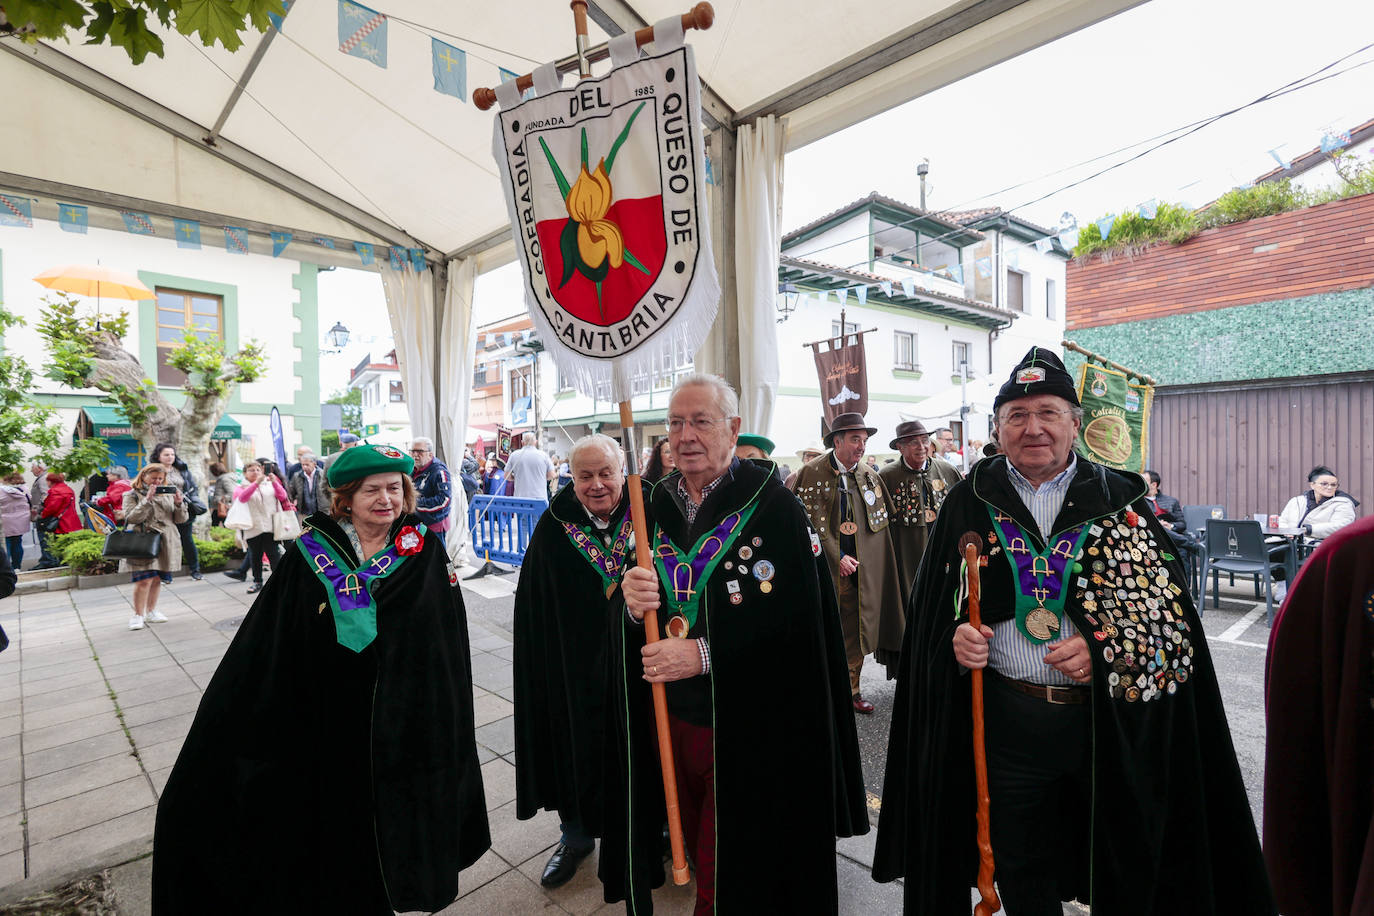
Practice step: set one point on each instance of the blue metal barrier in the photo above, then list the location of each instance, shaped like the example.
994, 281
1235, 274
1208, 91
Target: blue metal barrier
501, 526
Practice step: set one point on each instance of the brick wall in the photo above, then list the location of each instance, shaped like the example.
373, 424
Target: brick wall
1324, 249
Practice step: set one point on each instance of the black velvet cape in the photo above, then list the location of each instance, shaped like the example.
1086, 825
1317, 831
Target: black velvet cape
1171, 829
319, 780
562, 618
788, 776
1319, 753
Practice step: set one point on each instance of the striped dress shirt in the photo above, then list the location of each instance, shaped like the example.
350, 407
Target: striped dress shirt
1010, 653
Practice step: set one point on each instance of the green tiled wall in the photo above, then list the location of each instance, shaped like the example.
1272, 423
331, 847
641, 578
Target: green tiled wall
1313, 335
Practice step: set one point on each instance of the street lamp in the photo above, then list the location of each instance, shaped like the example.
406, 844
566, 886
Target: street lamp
337, 336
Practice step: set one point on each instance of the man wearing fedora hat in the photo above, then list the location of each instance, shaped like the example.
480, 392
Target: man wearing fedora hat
849, 507
918, 486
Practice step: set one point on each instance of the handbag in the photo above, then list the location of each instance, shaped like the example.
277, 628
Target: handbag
48, 523
132, 544
239, 517
194, 504
285, 525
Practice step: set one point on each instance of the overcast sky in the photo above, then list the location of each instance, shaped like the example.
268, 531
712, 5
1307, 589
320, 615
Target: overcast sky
1027, 127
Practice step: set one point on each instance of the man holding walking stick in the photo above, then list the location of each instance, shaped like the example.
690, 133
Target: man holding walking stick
1112, 775
765, 785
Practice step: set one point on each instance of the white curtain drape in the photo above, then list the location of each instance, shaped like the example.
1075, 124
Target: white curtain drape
758, 239
457, 343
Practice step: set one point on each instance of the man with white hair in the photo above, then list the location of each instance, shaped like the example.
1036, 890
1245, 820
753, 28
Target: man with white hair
567, 597
433, 487
746, 608
531, 470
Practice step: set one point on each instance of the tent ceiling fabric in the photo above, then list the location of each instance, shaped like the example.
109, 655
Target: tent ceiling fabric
417, 162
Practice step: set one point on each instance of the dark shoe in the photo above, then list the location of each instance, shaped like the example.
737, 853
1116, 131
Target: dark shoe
195, 574
862, 705
257, 587
562, 866
236, 574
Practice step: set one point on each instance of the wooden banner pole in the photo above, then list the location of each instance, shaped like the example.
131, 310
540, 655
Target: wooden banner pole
989, 904
1070, 345
698, 17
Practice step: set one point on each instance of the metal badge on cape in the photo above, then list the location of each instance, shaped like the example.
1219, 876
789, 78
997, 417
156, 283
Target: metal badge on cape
605, 184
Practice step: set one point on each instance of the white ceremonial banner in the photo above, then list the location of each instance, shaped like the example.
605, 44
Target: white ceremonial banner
606, 188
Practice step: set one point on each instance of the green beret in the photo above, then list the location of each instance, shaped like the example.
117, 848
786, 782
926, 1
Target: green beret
762, 443
361, 460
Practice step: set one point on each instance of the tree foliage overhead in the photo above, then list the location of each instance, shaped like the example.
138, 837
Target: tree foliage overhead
129, 24
86, 351
25, 422
351, 400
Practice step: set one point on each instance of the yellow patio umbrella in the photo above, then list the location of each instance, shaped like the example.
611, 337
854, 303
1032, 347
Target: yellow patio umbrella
95, 281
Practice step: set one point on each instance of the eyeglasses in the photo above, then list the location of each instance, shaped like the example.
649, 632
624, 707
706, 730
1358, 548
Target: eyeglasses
419, 451
699, 424
1018, 418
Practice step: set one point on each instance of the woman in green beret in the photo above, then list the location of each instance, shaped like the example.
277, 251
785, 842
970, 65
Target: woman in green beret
331, 767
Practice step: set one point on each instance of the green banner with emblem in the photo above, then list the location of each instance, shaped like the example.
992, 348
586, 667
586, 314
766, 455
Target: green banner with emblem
1116, 417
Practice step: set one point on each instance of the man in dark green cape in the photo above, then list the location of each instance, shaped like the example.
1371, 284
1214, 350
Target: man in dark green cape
1111, 770
764, 741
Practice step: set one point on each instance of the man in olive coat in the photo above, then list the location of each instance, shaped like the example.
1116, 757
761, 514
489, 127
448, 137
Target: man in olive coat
917, 485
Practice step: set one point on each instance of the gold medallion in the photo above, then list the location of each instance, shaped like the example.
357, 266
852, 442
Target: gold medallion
765, 587
930, 516
677, 627
848, 528
1040, 623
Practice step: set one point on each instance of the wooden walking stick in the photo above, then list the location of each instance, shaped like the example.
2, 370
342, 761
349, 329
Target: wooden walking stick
989, 904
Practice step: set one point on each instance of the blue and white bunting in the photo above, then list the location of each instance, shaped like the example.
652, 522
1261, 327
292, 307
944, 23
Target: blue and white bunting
984, 266
842, 294
16, 211
417, 259
1105, 224
279, 242
908, 286
364, 250
710, 173
324, 242
137, 223
362, 32
187, 232
450, 69
886, 287
1043, 245
1069, 239
396, 262
1333, 140
72, 218
1149, 209
861, 293
235, 240
956, 273
1283, 163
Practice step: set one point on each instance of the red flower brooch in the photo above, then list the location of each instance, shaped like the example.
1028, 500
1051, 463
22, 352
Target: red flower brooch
1131, 518
409, 542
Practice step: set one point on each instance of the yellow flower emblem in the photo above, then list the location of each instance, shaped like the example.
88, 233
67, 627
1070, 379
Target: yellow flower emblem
588, 201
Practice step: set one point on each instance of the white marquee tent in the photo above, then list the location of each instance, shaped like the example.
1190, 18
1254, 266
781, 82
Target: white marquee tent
289, 134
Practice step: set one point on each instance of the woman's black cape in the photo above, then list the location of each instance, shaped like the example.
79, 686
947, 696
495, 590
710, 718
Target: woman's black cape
319, 780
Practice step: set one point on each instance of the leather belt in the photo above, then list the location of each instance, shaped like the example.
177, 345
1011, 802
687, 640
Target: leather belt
1059, 696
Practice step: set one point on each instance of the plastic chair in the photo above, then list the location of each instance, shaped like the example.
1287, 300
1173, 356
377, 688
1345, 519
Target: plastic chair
1195, 518
1236, 546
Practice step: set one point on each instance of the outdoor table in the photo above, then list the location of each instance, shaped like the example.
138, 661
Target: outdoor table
1292, 536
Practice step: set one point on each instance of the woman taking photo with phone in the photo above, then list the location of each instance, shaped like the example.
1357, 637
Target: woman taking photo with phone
263, 494
154, 505
179, 476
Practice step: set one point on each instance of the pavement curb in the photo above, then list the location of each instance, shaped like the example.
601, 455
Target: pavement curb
113, 857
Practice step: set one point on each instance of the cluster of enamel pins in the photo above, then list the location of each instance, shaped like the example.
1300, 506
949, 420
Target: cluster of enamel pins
909, 503
1126, 594
761, 570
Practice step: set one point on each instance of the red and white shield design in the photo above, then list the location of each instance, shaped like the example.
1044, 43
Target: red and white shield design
605, 186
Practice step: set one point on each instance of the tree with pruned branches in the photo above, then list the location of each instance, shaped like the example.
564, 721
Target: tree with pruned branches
87, 352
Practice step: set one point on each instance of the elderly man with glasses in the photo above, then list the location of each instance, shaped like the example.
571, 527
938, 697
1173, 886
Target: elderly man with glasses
1111, 771
433, 487
764, 744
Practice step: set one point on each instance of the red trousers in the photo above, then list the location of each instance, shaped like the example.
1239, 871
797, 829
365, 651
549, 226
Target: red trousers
694, 760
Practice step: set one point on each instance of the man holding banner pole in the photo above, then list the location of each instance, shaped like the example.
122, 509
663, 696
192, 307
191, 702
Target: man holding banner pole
739, 577
1112, 774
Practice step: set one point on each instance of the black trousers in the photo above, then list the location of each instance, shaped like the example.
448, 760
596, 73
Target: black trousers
1039, 780
188, 547
257, 546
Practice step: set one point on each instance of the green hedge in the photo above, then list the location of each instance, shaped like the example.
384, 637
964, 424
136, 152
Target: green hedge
81, 550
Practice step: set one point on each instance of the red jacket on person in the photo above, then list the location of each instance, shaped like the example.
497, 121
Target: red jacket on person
61, 501
111, 502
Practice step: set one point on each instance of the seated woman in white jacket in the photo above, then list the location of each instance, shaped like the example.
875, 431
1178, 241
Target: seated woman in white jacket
1323, 509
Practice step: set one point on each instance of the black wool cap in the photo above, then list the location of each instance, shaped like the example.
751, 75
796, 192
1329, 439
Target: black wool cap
1040, 371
